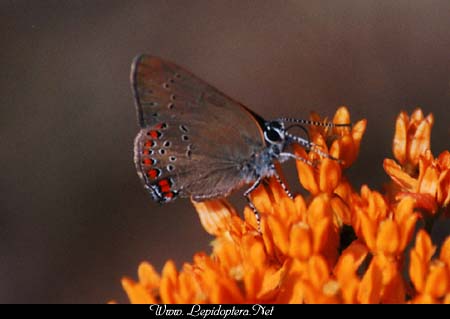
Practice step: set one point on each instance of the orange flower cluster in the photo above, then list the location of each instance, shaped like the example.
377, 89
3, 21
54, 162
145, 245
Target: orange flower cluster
419, 174
300, 256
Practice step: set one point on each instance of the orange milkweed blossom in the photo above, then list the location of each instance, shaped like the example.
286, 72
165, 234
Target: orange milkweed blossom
299, 255
412, 137
418, 174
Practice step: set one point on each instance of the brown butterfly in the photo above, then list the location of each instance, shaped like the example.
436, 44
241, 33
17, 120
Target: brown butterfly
197, 142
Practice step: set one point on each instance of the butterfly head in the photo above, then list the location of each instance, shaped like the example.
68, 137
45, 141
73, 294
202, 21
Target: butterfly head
275, 135
278, 137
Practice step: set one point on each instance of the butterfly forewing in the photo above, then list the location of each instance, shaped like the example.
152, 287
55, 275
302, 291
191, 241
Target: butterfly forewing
193, 139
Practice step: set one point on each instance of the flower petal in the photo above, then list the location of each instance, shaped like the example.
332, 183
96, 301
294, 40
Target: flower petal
358, 131
148, 276
429, 182
400, 138
438, 281
306, 173
445, 252
318, 271
330, 175
342, 116
368, 229
424, 246
280, 233
417, 115
421, 140
137, 293
300, 241
417, 271
169, 282
217, 216
388, 237
443, 191
350, 260
399, 176
371, 285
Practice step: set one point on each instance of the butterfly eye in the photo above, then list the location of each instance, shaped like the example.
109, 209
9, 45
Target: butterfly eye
273, 135
273, 132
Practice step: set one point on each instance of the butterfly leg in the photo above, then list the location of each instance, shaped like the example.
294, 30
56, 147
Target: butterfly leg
250, 203
282, 184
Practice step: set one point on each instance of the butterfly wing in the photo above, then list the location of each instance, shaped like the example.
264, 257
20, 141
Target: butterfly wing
194, 140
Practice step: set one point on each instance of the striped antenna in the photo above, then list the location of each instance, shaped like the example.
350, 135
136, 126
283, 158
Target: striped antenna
311, 147
313, 123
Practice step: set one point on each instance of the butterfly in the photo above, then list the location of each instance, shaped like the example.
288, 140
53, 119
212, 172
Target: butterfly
194, 141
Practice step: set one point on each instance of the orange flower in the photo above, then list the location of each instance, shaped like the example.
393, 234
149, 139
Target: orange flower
344, 142
431, 188
412, 137
429, 183
327, 176
431, 278
346, 273
300, 255
385, 230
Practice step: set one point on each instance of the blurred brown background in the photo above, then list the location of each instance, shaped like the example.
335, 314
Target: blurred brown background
74, 217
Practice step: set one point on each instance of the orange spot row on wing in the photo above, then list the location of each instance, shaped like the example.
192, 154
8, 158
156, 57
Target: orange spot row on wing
153, 173
154, 134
